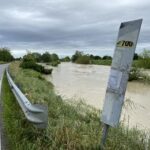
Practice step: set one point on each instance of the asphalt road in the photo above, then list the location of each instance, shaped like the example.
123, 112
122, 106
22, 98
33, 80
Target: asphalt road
2, 137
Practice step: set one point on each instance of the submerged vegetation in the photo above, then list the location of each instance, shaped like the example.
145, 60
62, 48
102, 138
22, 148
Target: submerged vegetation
141, 63
143, 60
29, 62
134, 74
139, 75
65, 59
81, 58
70, 125
50, 59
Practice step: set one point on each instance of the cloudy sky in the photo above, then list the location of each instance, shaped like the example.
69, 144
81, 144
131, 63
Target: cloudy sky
63, 26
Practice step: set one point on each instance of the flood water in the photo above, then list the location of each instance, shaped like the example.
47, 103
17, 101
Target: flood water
88, 82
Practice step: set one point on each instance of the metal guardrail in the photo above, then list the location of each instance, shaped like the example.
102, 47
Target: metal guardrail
35, 113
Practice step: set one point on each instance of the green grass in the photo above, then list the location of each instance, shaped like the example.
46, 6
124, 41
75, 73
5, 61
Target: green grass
138, 74
101, 62
83, 60
136, 63
71, 126
142, 63
2, 62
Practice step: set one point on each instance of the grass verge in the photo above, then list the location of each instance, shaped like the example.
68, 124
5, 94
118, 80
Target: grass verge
101, 62
2, 62
70, 126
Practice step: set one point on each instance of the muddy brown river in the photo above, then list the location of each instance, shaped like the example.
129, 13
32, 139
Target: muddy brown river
88, 83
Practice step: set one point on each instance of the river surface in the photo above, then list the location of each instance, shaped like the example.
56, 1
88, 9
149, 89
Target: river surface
88, 83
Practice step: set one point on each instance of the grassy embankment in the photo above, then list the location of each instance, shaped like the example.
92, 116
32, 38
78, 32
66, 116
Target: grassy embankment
2, 62
137, 72
101, 62
107, 62
70, 126
86, 60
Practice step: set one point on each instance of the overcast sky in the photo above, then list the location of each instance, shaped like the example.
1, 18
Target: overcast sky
63, 26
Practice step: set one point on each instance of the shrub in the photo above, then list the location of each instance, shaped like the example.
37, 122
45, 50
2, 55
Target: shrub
144, 62
28, 58
101, 62
36, 67
107, 57
76, 56
54, 57
66, 59
55, 63
134, 74
81, 58
37, 56
47, 71
46, 57
136, 56
85, 59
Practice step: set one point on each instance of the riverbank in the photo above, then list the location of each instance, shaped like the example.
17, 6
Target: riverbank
89, 82
101, 62
70, 125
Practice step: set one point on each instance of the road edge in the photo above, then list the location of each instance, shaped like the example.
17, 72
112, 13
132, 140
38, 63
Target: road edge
2, 134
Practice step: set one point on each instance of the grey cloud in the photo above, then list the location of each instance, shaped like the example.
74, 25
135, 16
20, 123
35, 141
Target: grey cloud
67, 25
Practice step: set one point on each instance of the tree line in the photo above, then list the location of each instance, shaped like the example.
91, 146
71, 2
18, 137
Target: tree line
45, 57
141, 60
5, 55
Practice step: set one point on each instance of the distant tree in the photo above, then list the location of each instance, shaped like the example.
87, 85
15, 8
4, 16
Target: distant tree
136, 56
76, 55
5, 55
66, 59
54, 57
92, 56
97, 57
84, 59
37, 56
107, 57
28, 58
46, 57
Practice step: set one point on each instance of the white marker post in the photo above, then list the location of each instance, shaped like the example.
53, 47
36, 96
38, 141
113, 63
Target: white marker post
119, 73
